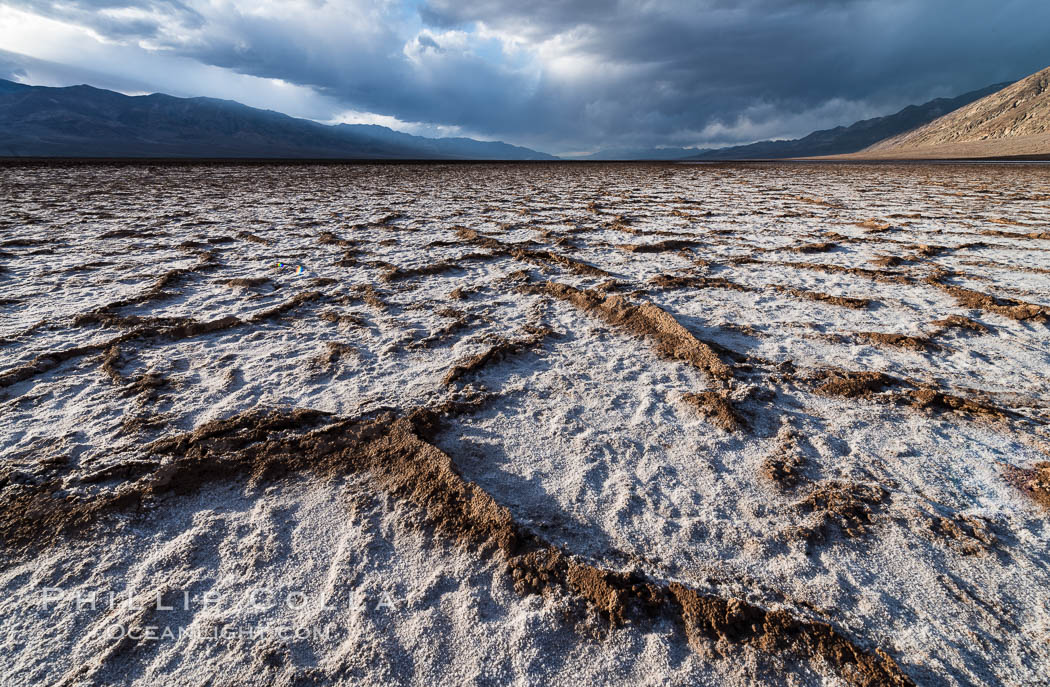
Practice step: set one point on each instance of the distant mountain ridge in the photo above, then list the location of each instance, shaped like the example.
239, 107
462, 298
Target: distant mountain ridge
608, 154
1013, 122
850, 139
83, 121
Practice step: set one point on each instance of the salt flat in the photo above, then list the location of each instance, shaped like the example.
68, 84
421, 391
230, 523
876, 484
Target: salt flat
530, 423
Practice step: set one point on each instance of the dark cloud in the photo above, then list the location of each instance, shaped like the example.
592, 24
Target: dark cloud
567, 75
767, 60
118, 19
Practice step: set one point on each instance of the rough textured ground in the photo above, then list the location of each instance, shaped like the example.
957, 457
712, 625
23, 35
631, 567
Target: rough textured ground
491, 424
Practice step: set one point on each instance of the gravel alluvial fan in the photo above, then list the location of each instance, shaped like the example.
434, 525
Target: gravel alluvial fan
538, 423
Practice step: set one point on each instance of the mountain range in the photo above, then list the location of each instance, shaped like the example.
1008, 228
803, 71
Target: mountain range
611, 154
837, 141
850, 139
82, 121
1014, 122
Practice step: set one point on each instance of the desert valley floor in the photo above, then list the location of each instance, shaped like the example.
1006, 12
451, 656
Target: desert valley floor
554, 424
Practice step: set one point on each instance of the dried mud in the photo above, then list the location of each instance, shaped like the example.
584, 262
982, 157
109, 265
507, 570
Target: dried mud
785, 465
717, 409
960, 322
668, 337
977, 300
912, 343
844, 301
1034, 481
846, 506
533, 336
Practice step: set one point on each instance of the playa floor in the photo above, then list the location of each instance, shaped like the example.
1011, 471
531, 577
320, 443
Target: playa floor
553, 424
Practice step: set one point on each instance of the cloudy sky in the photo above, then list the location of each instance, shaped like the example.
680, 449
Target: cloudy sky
562, 76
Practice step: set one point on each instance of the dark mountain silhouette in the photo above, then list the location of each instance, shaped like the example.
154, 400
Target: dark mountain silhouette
850, 139
82, 121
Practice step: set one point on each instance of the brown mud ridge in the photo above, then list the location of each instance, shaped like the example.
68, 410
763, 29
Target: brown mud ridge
472, 236
926, 250
849, 506
670, 339
370, 296
621, 224
170, 328
460, 321
398, 273
546, 257
874, 225
969, 535
461, 294
717, 409
1034, 481
504, 347
111, 364
853, 384
535, 257
327, 238
888, 261
822, 247
347, 320
1007, 307
1039, 235
660, 246
912, 343
875, 275
396, 451
46, 362
248, 236
145, 386
675, 281
844, 301
334, 351
395, 273
702, 282
959, 322
130, 234
871, 385
154, 292
783, 467
814, 201
247, 282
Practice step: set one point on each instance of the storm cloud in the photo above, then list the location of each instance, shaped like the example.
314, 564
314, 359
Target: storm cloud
559, 76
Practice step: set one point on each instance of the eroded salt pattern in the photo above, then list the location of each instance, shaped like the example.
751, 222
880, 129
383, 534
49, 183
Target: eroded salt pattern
523, 423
